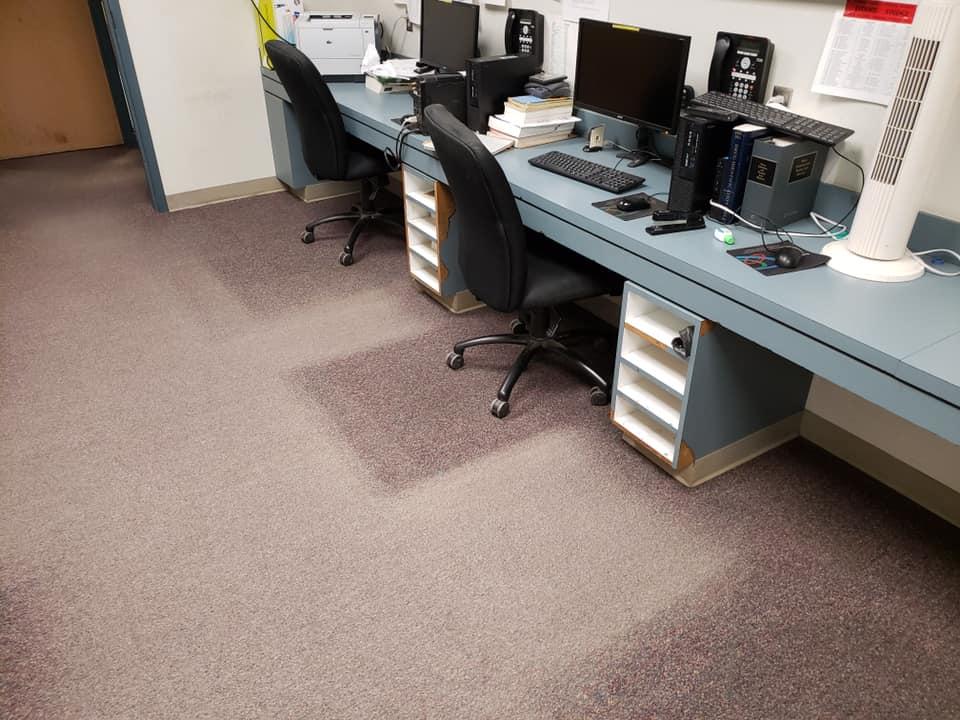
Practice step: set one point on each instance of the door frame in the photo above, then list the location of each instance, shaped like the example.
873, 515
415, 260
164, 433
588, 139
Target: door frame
134, 101
108, 56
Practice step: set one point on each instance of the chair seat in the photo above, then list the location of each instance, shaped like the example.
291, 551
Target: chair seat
362, 165
556, 275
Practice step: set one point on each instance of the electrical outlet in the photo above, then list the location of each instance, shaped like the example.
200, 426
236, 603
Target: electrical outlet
786, 92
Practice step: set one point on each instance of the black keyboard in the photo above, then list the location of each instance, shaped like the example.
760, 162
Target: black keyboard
587, 172
780, 120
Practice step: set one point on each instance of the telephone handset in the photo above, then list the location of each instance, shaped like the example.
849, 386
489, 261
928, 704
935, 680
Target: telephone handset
523, 33
741, 65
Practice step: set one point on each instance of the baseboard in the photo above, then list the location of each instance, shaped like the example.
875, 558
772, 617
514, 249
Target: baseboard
880, 465
726, 458
325, 190
743, 450
463, 302
336, 188
223, 193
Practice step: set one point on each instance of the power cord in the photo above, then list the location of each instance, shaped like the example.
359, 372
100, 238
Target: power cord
754, 226
863, 183
395, 156
936, 271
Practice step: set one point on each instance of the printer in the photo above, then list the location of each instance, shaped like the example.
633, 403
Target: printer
336, 41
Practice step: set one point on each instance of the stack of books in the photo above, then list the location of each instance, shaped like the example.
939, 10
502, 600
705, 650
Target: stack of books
529, 120
731, 178
389, 85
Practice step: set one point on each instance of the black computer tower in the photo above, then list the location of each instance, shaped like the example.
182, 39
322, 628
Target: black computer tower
701, 142
447, 89
491, 80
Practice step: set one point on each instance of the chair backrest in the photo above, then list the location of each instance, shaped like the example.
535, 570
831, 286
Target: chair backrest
324, 139
493, 241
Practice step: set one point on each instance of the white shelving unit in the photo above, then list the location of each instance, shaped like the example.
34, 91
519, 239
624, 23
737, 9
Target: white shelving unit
652, 379
695, 398
428, 207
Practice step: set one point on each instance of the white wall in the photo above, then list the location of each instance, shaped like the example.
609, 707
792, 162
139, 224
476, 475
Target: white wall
797, 27
198, 69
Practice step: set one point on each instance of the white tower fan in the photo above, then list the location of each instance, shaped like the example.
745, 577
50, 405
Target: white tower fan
913, 137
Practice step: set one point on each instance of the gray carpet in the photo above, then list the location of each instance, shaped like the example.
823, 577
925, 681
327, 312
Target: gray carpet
237, 481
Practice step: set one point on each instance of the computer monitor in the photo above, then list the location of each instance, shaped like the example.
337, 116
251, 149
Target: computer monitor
448, 34
631, 74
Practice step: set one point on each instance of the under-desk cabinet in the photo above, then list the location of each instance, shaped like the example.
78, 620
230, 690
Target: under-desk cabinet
694, 397
432, 241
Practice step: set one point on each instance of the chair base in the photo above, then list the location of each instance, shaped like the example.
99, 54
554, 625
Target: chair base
535, 341
361, 215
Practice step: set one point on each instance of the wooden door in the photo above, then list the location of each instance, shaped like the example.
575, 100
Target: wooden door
54, 94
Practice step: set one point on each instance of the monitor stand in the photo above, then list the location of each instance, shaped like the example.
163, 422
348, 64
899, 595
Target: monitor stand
423, 68
645, 152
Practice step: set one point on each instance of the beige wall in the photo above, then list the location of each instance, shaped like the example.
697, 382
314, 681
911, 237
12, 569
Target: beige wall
918, 448
199, 73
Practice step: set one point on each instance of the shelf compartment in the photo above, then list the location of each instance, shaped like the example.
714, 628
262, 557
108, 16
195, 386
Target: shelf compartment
425, 275
414, 182
659, 326
669, 371
659, 404
426, 225
423, 246
426, 251
646, 432
426, 199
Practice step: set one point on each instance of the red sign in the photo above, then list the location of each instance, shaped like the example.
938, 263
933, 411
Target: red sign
896, 12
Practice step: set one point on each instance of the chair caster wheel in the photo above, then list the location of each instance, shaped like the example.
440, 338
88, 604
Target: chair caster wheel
346, 259
500, 408
454, 361
306, 237
599, 396
518, 327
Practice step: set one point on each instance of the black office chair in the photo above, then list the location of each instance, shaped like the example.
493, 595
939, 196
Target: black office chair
330, 154
510, 268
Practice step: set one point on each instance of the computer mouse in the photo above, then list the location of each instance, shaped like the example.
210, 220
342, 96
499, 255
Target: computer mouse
632, 204
789, 256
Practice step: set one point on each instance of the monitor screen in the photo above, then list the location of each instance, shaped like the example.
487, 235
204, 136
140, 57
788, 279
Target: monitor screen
631, 74
448, 34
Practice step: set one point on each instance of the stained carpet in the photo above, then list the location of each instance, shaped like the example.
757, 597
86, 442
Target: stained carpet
238, 481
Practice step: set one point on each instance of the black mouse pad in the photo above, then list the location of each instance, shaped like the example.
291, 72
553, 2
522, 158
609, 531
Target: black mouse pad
610, 206
764, 259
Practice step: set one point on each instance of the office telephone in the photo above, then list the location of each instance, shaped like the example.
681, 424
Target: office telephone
741, 66
523, 33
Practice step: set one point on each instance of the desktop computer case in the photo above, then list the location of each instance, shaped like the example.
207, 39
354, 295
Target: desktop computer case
447, 89
701, 142
491, 80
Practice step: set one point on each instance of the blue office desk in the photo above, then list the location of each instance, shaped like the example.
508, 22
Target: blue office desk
895, 345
